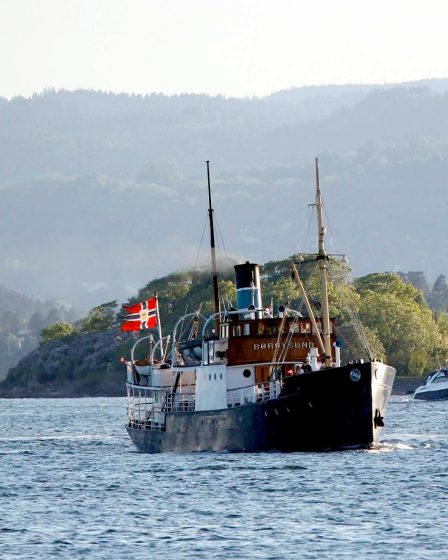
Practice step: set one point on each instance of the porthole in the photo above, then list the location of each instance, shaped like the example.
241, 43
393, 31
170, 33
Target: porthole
247, 373
355, 374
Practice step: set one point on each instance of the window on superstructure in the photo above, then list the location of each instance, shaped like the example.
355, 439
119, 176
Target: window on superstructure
205, 353
236, 330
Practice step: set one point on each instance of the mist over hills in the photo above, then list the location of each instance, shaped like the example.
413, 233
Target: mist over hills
101, 192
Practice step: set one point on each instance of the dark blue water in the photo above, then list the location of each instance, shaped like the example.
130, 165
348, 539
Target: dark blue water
73, 486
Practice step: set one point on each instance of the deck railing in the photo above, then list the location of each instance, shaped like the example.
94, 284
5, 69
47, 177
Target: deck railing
144, 413
179, 402
260, 392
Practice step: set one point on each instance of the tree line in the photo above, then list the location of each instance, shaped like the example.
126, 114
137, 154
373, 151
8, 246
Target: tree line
22, 320
399, 323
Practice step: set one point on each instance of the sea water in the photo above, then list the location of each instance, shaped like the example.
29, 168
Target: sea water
73, 486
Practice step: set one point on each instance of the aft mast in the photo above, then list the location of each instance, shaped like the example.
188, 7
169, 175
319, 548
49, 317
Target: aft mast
213, 250
322, 259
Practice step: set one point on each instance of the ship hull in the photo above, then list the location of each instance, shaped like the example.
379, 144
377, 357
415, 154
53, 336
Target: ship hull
326, 410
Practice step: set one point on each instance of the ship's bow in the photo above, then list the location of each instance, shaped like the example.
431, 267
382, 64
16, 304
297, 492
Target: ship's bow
382, 382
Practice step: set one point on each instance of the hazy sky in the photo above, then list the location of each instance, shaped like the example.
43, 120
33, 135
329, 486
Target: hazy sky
232, 47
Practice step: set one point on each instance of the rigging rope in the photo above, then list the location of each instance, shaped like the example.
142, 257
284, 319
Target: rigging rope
353, 314
307, 234
200, 243
289, 336
277, 345
221, 238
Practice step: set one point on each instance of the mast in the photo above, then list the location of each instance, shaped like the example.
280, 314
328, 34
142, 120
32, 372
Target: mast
322, 259
213, 251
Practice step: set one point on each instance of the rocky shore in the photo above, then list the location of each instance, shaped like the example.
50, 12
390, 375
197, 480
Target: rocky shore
81, 365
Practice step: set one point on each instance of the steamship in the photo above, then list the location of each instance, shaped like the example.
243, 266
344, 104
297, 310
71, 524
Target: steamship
247, 379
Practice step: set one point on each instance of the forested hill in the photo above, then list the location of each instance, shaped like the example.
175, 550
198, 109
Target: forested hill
83, 358
22, 319
100, 192
162, 138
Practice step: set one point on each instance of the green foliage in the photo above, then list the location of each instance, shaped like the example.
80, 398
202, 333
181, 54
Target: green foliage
227, 291
417, 279
398, 325
384, 283
340, 292
441, 318
353, 346
402, 321
284, 292
85, 364
186, 292
100, 318
56, 331
396, 321
22, 319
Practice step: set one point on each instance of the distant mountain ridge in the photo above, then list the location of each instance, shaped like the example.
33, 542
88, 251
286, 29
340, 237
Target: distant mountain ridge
102, 192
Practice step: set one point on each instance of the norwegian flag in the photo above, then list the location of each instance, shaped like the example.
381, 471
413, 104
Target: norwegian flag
141, 316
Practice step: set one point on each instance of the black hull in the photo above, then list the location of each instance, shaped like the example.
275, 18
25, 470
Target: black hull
324, 410
441, 395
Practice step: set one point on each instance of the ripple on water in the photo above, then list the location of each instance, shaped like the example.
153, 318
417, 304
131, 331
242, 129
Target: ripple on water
84, 492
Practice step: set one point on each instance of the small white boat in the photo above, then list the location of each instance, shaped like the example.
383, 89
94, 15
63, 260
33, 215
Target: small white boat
435, 387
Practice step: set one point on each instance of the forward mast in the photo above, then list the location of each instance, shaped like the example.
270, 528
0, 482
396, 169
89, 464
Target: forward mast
322, 259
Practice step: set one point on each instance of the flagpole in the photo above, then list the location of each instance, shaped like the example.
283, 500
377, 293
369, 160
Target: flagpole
159, 325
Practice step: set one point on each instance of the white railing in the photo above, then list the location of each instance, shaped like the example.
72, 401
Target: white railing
252, 394
179, 402
142, 418
145, 409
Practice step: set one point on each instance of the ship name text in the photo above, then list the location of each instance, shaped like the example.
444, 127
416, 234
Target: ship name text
272, 345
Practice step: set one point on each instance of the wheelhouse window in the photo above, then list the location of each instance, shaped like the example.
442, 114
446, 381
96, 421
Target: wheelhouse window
191, 352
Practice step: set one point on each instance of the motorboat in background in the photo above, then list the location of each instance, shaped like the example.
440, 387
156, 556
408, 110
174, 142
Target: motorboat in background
435, 387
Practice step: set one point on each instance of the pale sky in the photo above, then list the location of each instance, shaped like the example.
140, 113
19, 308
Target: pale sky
229, 47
